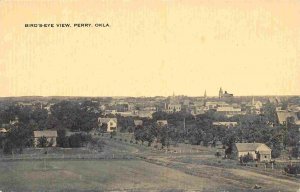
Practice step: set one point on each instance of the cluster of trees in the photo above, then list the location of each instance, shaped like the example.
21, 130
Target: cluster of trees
21, 121
199, 130
73, 141
74, 116
70, 115
19, 137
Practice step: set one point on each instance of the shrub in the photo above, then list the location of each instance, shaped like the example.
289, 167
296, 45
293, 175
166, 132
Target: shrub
295, 152
292, 169
246, 158
7, 148
79, 140
218, 154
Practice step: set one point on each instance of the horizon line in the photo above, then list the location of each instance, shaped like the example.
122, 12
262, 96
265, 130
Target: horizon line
214, 96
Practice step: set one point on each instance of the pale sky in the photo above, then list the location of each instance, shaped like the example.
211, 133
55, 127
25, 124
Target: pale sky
151, 48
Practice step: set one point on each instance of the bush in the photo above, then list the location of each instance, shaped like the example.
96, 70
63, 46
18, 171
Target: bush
295, 152
7, 148
79, 140
292, 169
246, 158
218, 154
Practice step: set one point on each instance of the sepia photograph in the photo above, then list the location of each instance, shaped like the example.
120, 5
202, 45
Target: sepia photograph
150, 95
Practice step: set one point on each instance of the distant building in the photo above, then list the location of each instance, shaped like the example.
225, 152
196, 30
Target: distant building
294, 108
224, 95
254, 107
282, 117
138, 122
214, 105
230, 111
145, 114
126, 114
49, 135
275, 100
162, 123
110, 111
259, 151
227, 124
197, 110
110, 123
172, 108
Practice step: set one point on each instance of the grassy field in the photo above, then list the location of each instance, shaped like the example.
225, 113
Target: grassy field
95, 176
191, 168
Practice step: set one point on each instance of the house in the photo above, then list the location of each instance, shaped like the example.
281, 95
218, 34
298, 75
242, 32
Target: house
110, 123
49, 135
259, 151
282, 116
138, 122
162, 123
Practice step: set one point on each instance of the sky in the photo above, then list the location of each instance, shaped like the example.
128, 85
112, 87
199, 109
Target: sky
151, 48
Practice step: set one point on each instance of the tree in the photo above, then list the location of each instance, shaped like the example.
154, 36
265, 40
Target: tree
79, 140
62, 140
295, 152
19, 137
269, 111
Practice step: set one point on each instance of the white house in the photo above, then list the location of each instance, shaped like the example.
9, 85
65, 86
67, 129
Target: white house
110, 123
258, 151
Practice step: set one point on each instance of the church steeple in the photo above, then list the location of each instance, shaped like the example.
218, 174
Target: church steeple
220, 93
205, 96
